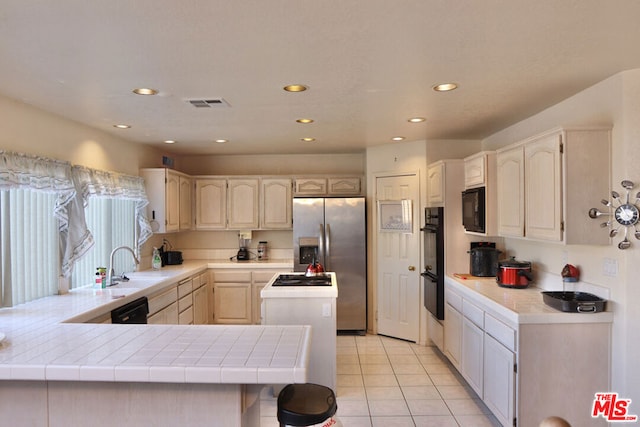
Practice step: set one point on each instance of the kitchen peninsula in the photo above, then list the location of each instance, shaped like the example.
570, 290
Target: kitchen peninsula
57, 373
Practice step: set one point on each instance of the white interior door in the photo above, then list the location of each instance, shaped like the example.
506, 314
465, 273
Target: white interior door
398, 262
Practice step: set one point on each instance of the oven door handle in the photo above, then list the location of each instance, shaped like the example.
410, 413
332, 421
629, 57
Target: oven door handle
431, 276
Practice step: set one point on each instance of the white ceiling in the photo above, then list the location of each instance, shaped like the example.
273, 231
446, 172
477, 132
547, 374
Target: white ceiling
369, 66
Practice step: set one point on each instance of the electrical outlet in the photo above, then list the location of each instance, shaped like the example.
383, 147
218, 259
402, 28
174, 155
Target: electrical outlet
326, 310
610, 267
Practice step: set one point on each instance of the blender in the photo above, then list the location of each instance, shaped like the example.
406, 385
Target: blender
243, 241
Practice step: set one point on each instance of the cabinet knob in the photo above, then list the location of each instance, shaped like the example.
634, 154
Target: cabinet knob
412, 268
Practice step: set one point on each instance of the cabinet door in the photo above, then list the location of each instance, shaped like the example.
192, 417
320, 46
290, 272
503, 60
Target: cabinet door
173, 201
185, 203
543, 191
211, 203
499, 389
311, 186
435, 184
200, 306
232, 303
344, 186
472, 355
510, 174
243, 203
276, 203
453, 335
474, 171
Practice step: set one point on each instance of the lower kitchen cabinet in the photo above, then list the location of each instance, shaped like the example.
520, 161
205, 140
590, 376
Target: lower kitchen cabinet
232, 297
163, 307
200, 299
525, 370
236, 295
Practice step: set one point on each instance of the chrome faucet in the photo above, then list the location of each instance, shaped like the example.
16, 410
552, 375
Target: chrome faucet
111, 280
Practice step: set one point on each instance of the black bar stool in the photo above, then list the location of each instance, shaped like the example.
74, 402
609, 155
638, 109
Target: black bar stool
305, 405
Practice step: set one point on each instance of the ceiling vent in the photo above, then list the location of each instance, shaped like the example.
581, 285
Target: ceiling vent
208, 103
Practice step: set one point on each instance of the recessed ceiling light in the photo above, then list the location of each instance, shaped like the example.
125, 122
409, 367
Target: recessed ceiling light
295, 88
169, 141
445, 87
122, 126
397, 138
416, 120
304, 121
221, 141
307, 139
145, 91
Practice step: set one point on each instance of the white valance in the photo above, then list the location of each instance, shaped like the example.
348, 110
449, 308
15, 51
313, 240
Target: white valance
19, 170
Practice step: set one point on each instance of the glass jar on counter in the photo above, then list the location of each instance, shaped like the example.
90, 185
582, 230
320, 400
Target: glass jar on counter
263, 251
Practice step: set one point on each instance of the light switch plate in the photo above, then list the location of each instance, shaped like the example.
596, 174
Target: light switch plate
326, 310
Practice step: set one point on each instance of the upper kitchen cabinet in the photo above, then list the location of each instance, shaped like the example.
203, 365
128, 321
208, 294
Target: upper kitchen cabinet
435, 183
211, 203
480, 171
168, 209
510, 185
243, 198
275, 203
547, 183
328, 186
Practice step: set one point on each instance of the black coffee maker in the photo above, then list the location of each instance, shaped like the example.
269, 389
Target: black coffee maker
483, 259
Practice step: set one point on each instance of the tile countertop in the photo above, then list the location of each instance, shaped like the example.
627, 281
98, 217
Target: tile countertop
519, 306
42, 342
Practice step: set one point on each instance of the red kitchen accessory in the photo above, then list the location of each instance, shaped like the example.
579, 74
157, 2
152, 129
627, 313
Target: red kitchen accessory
570, 273
514, 274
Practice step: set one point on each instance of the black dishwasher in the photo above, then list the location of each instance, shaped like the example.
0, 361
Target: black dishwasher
133, 312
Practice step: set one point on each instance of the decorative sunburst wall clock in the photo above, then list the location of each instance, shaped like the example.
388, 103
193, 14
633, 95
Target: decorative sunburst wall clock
625, 212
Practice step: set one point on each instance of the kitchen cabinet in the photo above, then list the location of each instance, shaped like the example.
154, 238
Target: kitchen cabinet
435, 183
163, 307
276, 203
232, 296
510, 185
553, 185
524, 364
328, 186
200, 299
480, 171
185, 211
259, 280
167, 208
185, 302
211, 203
242, 203
453, 328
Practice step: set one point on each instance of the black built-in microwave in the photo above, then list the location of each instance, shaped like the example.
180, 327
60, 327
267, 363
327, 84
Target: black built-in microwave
473, 210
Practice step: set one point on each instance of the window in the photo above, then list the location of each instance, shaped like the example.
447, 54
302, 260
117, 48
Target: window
29, 250
112, 224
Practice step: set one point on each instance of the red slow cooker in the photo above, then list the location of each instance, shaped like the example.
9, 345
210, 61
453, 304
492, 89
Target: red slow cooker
514, 274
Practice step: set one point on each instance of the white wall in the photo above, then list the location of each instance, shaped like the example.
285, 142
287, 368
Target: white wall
26, 129
612, 102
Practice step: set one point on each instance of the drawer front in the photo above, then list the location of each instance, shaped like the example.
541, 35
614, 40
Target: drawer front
186, 317
232, 276
501, 332
163, 300
185, 287
453, 299
473, 313
184, 303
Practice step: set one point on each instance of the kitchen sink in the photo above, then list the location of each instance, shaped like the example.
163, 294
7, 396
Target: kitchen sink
135, 283
574, 302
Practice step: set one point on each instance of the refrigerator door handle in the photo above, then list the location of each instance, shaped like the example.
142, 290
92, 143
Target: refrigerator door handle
327, 253
321, 248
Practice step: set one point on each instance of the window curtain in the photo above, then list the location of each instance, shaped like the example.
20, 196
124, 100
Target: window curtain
97, 183
72, 186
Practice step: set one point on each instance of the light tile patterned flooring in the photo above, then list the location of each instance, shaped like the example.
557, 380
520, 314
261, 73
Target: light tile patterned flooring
385, 382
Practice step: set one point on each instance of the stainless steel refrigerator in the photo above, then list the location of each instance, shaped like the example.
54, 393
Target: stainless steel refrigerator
333, 231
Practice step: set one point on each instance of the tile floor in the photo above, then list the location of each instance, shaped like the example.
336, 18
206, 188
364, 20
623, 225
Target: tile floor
392, 383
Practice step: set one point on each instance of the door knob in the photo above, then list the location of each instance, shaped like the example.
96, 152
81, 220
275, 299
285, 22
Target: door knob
412, 268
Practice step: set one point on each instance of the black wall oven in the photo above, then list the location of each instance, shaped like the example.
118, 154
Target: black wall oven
433, 274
